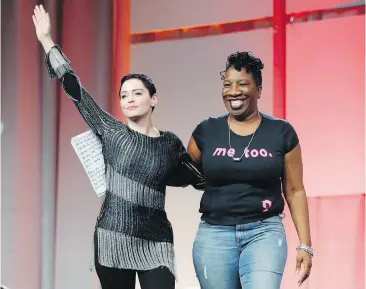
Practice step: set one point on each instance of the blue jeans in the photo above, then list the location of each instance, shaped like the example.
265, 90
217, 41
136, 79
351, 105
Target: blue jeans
248, 256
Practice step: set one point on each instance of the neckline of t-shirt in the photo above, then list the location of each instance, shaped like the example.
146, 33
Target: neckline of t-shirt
248, 135
162, 133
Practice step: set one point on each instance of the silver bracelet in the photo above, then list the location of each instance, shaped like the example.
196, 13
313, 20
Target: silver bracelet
306, 248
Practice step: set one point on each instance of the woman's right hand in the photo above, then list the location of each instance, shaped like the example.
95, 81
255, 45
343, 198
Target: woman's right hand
42, 23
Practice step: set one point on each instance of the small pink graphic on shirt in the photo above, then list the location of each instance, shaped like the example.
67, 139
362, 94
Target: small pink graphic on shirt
248, 153
266, 205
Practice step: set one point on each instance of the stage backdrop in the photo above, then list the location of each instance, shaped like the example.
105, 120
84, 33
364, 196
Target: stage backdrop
37, 156
44, 186
325, 103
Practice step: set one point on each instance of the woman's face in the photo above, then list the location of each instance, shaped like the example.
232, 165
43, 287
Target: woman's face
135, 99
240, 93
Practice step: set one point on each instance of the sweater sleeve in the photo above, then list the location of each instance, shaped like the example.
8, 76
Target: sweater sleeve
186, 172
97, 119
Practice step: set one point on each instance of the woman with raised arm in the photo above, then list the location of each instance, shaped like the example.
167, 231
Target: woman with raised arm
132, 234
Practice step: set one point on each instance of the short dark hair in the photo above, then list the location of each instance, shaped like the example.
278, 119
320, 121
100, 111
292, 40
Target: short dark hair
247, 60
150, 86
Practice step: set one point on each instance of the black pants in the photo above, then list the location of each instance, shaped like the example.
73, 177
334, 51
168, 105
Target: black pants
113, 278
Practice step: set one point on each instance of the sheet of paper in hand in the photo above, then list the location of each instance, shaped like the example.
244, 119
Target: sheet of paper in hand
89, 150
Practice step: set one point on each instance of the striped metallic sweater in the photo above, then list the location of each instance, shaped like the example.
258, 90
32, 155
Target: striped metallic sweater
132, 229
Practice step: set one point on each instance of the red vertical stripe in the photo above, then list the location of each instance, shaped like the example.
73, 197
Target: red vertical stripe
279, 58
121, 50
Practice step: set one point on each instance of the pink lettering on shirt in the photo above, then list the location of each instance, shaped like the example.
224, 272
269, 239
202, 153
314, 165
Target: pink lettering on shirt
248, 153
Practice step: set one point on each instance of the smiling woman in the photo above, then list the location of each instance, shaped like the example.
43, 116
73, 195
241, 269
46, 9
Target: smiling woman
249, 159
242, 87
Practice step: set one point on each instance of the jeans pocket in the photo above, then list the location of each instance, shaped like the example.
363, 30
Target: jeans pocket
203, 229
273, 224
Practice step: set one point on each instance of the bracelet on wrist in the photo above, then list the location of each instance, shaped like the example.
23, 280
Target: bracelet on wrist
306, 248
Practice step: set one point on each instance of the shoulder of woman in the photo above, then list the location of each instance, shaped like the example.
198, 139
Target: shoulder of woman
212, 120
278, 122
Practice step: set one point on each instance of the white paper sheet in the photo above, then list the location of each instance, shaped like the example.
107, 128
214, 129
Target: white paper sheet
89, 150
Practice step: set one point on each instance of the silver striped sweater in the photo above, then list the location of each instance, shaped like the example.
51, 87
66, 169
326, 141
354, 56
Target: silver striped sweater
132, 229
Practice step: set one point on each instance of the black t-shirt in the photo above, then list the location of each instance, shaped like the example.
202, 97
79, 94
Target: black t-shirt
249, 190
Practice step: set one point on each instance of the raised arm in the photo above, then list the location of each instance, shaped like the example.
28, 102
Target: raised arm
58, 65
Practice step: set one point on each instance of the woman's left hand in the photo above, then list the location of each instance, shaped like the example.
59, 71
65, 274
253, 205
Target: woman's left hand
303, 265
